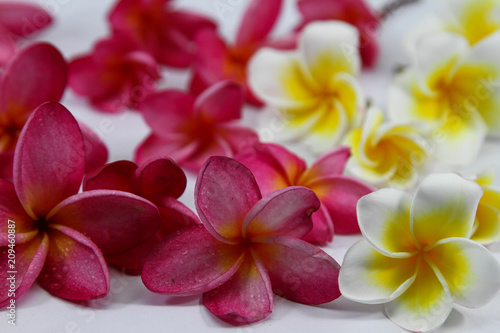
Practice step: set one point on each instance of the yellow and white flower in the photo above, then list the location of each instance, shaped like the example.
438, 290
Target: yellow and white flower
416, 257
487, 225
455, 89
386, 154
313, 86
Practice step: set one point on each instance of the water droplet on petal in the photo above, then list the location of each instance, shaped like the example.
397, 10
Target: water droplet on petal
184, 252
59, 277
55, 286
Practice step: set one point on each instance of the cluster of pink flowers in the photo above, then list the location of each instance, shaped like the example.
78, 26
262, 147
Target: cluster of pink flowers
262, 213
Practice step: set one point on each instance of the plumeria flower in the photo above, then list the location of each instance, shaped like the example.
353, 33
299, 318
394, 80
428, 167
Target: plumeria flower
454, 88
190, 129
355, 12
116, 75
217, 60
387, 154
486, 228
314, 87
160, 181
167, 34
416, 257
61, 236
274, 168
473, 19
19, 21
247, 248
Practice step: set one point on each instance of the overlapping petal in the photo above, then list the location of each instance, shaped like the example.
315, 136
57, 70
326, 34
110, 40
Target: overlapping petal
160, 178
114, 176
252, 31
96, 153
221, 102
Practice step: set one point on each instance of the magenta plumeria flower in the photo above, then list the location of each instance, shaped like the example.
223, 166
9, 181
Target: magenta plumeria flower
217, 61
19, 21
247, 248
167, 34
190, 129
61, 236
117, 74
159, 180
355, 12
274, 168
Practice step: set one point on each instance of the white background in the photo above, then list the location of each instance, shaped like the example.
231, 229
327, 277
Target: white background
130, 307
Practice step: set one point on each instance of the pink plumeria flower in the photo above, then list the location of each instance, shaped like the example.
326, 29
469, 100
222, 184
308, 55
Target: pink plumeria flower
247, 248
416, 257
61, 237
116, 75
165, 33
159, 180
355, 12
190, 129
274, 168
217, 60
19, 21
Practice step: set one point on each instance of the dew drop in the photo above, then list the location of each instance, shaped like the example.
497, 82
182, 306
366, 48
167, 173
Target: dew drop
65, 269
59, 277
55, 286
184, 252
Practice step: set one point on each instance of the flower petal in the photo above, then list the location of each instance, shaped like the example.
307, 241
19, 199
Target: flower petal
470, 271
245, 298
190, 262
340, 195
29, 260
384, 220
114, 221
7, 165
49, 160
118, 176
367, 276
75, 268
283, 212
175, 216
159, 178
96, 153
330, 164
449, 199
210, 60
323, 230
23, 19
225, 192
221, 102
157, 146
299, 271
36, 75
132, 261
488, 220
252, 31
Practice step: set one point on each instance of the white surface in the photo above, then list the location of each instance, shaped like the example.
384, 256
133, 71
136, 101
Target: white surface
130, 307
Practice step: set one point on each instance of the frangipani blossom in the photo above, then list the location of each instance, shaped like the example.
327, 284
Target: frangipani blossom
384, 154
314, 86
190, 129
247, 248
416, 257
217, 60
487, 225
61, 236
160, 181
19, 21
116, 75
274, 168
455, 89
355, 12
167, 34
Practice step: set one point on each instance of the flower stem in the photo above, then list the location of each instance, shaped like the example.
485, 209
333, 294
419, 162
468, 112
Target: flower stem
392, 6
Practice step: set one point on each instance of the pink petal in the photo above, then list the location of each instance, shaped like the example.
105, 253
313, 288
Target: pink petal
190, 262
49, 160
36, 75
221, 102
246, 298
23, 19
7, 46
299, 271
156, 146
369, 49
114, 221
237, 138
96, 153
85, 78
11, 209
191, 23
75, 268
225, 191
132, 261
340, 195
313, 10
253, 30
211, 57
29, 261
323, 229
160, 178
118, 176
7, 165
330, 164
175, 216
197, 84
284, 212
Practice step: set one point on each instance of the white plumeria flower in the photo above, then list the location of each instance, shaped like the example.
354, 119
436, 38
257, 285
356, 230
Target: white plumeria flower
473, 19
386, 154
453, 88
487, 225
416, 257
313, 86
